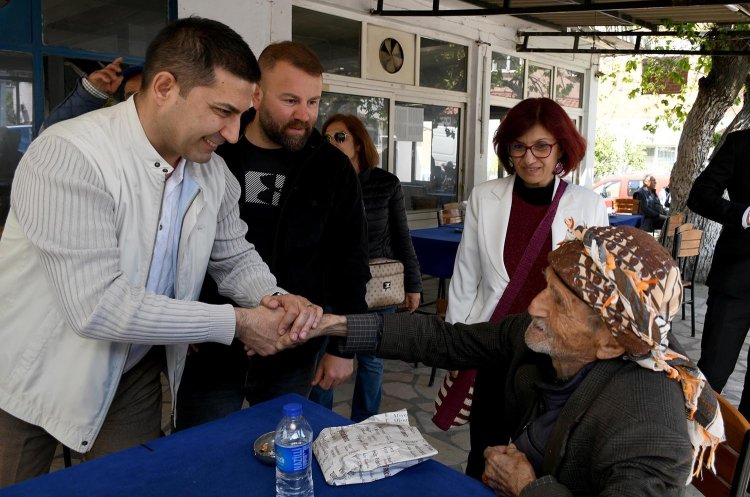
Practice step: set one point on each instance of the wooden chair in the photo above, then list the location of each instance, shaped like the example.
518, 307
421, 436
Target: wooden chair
687, 249
670, 226
452, 205
625, 206
450, 216
732, 461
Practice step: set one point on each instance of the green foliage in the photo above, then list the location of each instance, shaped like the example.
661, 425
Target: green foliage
634, 155
606, 156
657, 72
607, 159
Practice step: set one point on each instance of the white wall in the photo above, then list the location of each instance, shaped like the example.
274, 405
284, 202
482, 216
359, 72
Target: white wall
258, 21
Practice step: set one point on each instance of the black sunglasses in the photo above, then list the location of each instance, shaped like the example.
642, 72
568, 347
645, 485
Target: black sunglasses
339, 136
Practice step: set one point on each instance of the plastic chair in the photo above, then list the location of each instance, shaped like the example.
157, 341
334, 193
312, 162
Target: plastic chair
732, 462
687, 249
626, 205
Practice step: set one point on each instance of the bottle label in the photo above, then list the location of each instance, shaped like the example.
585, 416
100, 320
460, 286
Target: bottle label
292, 459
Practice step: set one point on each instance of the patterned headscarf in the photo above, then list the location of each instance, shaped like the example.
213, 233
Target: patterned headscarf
624, 274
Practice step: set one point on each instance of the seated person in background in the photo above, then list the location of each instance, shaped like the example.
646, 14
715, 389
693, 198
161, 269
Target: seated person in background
665, 196
93, 91
597, 402
649, 206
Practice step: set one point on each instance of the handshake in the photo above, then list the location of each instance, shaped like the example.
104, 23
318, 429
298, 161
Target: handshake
281, 322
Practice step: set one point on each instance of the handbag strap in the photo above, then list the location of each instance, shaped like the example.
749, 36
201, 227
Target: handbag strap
518, 278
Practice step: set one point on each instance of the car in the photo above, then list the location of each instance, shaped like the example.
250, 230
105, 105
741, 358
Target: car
623, 186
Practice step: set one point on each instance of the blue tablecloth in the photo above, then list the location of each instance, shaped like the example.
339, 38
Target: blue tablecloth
626, 220
436, 249
216, 459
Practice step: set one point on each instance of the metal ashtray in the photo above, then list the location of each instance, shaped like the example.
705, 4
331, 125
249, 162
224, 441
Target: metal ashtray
263, 448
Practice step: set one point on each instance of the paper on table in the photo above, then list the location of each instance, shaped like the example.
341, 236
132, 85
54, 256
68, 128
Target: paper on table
378, 447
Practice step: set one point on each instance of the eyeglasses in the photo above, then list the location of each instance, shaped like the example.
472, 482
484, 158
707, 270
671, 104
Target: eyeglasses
540, 150
339, 136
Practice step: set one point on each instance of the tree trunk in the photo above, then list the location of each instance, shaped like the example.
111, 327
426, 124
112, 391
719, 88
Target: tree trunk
716, 92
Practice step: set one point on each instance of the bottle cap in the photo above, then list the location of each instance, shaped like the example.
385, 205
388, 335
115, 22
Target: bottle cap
292, 409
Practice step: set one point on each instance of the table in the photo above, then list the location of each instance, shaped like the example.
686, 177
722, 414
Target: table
436, 249
625, 220
216, 459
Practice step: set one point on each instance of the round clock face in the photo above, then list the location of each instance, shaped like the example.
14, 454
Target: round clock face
391, 55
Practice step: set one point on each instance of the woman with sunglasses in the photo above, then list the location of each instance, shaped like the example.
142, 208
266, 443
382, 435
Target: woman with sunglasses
388, 235
537, 144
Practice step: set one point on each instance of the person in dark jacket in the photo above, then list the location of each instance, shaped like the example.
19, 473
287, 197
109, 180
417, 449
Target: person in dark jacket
303, 207
728, 305
597, 400
649, 206
94, 91
388, 236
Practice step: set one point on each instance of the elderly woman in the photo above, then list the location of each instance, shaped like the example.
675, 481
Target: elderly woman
511, 225
388, 235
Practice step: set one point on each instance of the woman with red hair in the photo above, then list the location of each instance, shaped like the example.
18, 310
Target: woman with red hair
511, 224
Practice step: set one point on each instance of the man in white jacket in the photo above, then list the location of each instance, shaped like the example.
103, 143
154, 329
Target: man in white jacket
115, 218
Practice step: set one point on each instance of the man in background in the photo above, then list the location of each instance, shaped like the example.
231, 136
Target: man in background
649, 205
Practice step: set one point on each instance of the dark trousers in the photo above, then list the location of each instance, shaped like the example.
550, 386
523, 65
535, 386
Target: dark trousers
727, 323
488, 426
218, 378
134, 417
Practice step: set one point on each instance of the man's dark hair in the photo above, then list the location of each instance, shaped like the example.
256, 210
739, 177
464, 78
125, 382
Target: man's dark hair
192, 48
293, 53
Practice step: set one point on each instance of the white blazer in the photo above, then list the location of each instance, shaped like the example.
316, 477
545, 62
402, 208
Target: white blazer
479, 274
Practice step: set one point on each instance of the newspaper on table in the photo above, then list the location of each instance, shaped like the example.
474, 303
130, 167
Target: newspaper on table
376, 448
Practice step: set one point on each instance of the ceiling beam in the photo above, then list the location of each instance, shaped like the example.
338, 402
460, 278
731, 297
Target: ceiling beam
592, 36
588, 6
626, 19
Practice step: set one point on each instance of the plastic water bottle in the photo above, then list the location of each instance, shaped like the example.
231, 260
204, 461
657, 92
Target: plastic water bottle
293, 449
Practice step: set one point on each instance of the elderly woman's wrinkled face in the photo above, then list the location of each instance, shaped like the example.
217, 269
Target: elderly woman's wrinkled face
563, 326
534, 155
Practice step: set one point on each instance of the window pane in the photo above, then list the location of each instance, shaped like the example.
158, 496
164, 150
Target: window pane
569, 88
494, 168
442, 65
16, 111
539, 81
124, 27
506, 77
373, 112
335, 40
427, 153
